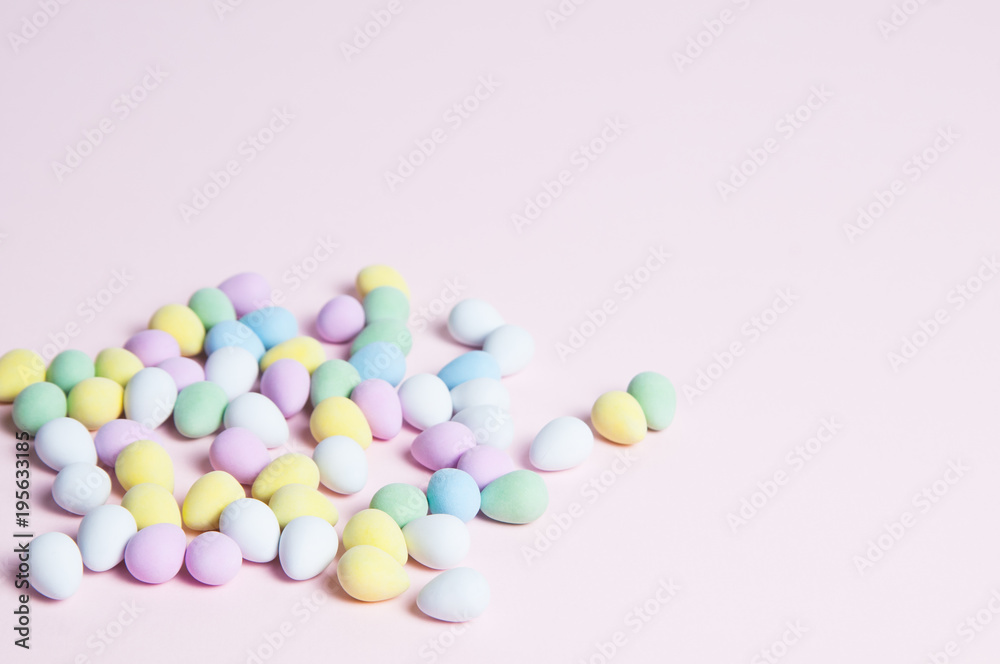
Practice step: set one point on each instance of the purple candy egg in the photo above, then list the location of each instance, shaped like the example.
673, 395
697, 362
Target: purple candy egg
379, 403
442, 445
213, 558
153, 347
247, 291
485, 463
155, 553
340, 319
183, 370
116, 435
286, 383
240, 453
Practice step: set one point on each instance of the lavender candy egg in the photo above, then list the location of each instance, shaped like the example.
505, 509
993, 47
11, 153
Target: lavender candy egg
213, 558
247, 291
116, 435
155, 554
486, 463
442, 445
286, 383
183, 370
240, 453
153, 347
340, 319
379, 403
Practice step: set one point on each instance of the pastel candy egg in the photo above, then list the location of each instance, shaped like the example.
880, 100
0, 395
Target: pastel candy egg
232, 368
104, 532
517, 497
380, 405
438, 541
80, 487
240, 453
183, 370
156, 554
465, 367
254, 527
373, 276
207, 497
512, 346
150, 397
657, 398
64, 441
458, 595
369, 574
491, 425
18, 369
338, 416
342, 464
294, 500
116, 435
388, 330
618, 417
183, 325
485, 463
56, 565
453, 491
257, 413
68, 368
213, 558
150, 504
247, 291
273, 325
386, 303
199, 408
340, 319
306, 350
563, 443
480, 392
286, 383
376, 528
144, 461
37, 404
212, 306
117, 364
441, 445
95, 402
233, 333
425, 401
307, 546
333, 378
471, 320
380, 359
402, 502
153, 347
292, 468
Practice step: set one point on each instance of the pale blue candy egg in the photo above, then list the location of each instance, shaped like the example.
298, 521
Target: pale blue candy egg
272, 325
233, 333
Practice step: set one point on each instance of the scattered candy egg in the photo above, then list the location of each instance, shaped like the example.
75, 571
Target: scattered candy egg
441, 445
380, 359
338, 416
438, 541
150, 504
68, 368
480, 392
465, 367
453, 491
156, 554
95, 402
274, 325
104, 532
563, 443
144, 461
56, 565
294, 500
618, 417
373, 276
233, 333
199, 409
80, 487
333, 378
247, 291
517, 497
376, 528
291, 468
340, 319
471, 320
150, 396
512, 346
343, 466
389, 331
37, 404
153, 347
208, 496
183, 370
257, 413
485, 463
657, 398
116, 435
307, 546
182, 324
491, 425
458, 595
402, 502
380, 405
212, 306
254, 527
64, 441
386, 303
306, 350
425, 401
286, 383
117, 364
213, 558
232, 368
369, 574
240, 453
18, 369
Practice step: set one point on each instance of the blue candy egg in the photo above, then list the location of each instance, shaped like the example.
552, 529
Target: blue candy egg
453, 491
272, 324
380, 359
233, 333
474, 364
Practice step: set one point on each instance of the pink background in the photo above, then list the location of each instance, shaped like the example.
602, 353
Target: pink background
656, 185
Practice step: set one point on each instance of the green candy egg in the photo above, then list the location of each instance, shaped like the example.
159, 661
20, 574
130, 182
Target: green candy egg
657, 397
403, 502
333, 378
199, 409
386, 303
68, 368
212, 306
391, 331
517, 497
37, 404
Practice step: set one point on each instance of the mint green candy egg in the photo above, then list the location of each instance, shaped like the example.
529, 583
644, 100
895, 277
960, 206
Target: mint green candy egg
386, 303
517, 497
657, 397
333, 378
403, 502
199, 409
212, 306
37, 404
68, 368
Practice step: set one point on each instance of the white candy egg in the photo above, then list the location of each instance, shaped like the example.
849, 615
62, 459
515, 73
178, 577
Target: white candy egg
104, 533
80, 487
257, 413
491, 425
480, 392
254, 527
56, 565
438, 541
232, 368
457, 595
343, 466
150, 396
307, 547
563, 443
63, 441
425, 400
512, 346
471, 320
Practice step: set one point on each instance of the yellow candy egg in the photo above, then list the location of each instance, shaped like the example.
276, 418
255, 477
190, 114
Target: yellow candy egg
117, 364
150, 504
370, 574
376, 528
373, 276
183, 324
306, 350
95, 401
618, 417
144, 462
290, 468
295, 500
19, 369
339, 416
207, 497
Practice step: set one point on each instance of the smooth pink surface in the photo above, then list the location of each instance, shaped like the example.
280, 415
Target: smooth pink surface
313, 206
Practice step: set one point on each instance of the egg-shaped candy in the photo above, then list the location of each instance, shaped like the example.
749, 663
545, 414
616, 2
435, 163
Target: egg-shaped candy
199, 409
104, 532
657, 398
274, 325
182, 324
208, 496
376, 528
116, 435
294, 500
485, 463
453, 491
517, 497
340, 319
458, 595
343, 466
213, 558
38, 404
305, 350
286, 383
144, 461
307, 546
117, 364
480, 392
465, 367
64, 441
150, 397
373, 276
247, 291
56, 565
380, 359
441, 445
68, 368
379, 403
233, 369
369, 574
512, 346
150, 504
387, 331
563, 443
402, 502
156, 554
80, 487
438, 541
618, 417
153, 347
18, 369
471, 320
212, 306
254, 527
491, 425
233, 333
386, 303
257, 413
291, 468
183, 370
338, 416
240, 453
95, 402
333, 378
425, 401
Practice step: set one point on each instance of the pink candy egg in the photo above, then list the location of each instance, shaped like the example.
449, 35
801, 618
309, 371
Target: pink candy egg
442, 445
153, 347
213, 558
286, 383
116, 435
380, 405
340, 319
155, 553
485, 463
247, 291
183, 370
240, 453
